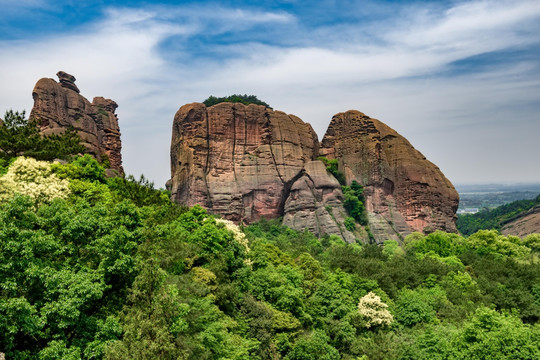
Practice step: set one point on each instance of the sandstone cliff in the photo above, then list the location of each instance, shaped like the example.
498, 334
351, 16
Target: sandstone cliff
58, 105
247, 162
404, 191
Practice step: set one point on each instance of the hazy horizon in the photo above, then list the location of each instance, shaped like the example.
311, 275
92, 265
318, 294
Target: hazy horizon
459, 79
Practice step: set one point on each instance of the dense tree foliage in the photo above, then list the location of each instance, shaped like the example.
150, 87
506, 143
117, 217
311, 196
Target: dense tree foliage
21, 137
114, 270
354, 202
236, 98
494, 218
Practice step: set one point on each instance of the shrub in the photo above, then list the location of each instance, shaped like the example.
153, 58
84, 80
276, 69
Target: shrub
83, 167
350, 223
33, 178
332, 168
236, 98
354, 202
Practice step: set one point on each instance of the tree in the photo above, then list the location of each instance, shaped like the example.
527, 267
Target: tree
491, 335
236, 98
32, 178
21, 137
315, 346
374, 311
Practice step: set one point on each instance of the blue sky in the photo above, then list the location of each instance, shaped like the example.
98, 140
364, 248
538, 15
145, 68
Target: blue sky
459, 79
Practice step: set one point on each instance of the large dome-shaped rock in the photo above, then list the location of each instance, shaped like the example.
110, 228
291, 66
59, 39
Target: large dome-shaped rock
236, 160
58, 105
404, 192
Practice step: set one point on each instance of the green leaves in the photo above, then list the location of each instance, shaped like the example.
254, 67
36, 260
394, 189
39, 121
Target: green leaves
354, 202
491, 335
21, 137
244, 99
117, 271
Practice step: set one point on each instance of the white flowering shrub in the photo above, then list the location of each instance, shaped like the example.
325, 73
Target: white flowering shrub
33, 178
239, 236
374, 311
237, 233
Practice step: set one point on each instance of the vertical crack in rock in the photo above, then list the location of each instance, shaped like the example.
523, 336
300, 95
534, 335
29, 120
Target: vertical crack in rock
272, 150
234, 145
207, 164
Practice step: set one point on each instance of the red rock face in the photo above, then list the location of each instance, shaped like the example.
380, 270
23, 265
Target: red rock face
247, 162
315, 203
238, 161
404, 191
59, 105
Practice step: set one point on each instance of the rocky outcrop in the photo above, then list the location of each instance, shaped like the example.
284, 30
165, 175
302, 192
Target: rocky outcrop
524, 224
315, 203
239, 161
404, 192
58, 105
247, 162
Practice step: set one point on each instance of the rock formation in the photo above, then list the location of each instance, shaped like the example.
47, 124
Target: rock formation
315, 202
404, 192
59, 105
247, 162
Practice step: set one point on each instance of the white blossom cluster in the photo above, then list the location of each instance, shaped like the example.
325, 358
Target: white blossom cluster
33, 178
374, 311
237, 233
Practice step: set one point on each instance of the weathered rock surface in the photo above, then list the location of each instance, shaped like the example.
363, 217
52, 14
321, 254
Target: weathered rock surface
247, 162
315, 202
58, 106
404, 192
525, 224
236, 160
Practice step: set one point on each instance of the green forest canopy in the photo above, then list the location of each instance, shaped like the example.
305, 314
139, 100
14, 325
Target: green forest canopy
236, 98
109, 268
115, 270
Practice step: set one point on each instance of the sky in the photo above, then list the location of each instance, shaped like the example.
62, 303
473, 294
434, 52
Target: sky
459, 79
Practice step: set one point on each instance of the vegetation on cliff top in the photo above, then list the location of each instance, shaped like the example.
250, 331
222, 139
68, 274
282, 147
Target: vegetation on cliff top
236, 98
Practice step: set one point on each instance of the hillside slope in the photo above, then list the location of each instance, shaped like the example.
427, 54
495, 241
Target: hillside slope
516, 218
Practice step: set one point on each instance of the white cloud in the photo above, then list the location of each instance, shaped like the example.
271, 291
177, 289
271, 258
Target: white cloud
119, 57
